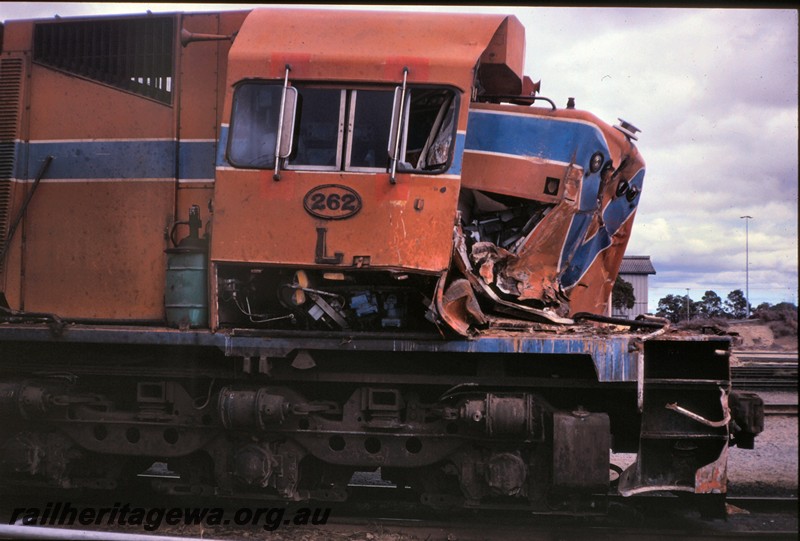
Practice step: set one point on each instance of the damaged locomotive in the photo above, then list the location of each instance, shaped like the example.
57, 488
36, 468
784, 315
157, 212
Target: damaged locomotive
272, 249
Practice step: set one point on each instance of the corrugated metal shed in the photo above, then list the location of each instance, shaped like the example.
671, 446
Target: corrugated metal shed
636, 270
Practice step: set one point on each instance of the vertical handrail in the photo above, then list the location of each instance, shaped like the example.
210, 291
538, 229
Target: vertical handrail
25, 203
276, 176
400, 127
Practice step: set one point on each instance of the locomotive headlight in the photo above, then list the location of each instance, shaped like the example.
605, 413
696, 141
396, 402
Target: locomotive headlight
622, 187
631, 194
596, 162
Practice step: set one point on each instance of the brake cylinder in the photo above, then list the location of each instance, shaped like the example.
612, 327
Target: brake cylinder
252, 408
501, 415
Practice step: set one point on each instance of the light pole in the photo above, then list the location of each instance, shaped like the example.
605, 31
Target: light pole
747, 263
687, 304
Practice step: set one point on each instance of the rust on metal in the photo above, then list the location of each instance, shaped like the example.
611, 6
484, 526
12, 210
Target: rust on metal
713, 478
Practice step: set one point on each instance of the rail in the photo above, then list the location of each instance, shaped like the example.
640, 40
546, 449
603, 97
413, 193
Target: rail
19, 531
763, 376
781, 409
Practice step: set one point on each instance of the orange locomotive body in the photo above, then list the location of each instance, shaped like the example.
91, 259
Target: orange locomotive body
371, 215
131, 121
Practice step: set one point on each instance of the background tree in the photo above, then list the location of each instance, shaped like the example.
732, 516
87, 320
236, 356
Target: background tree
622, 295
710, 305
764, 306
784, 306
668, 307
736, 305
673, 307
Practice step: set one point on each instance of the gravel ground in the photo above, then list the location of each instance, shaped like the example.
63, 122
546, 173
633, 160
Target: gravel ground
770, 468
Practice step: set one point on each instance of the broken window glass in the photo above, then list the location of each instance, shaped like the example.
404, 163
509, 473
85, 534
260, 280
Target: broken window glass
431, 130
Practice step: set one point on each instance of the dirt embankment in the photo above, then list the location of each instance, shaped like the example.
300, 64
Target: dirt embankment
756, 335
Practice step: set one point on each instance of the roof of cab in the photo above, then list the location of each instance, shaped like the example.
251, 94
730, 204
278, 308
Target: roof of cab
371, 46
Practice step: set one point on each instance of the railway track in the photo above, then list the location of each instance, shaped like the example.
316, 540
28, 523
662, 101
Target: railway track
764, 378
765, 356
781, 409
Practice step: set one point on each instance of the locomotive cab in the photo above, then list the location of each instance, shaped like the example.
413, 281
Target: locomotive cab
350, 195
339, 147
339, 175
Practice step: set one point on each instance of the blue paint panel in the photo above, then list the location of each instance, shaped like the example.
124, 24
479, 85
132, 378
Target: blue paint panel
545, 138
458, 156
614, 215
197, 160
21, 161
575, 235
584, 256
135, 159
222, 147
106, 159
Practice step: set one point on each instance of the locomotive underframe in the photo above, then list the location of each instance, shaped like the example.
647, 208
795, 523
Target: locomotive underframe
499, 420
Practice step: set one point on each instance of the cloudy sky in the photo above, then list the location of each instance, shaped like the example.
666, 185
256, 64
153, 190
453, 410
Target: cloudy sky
715, 93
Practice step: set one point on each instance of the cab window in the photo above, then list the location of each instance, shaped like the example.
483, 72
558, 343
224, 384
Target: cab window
343, 129
254, 125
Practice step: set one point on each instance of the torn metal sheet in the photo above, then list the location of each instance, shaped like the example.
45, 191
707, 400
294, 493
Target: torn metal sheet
464, 327
545, 212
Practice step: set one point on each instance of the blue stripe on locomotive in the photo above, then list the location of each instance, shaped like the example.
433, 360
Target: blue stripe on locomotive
614, 215
132, 159
222, 147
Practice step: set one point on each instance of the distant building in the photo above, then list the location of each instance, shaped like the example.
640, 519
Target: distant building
635, 269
